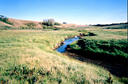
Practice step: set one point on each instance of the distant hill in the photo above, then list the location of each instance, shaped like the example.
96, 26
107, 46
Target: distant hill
113, 26
6, 22
16, 23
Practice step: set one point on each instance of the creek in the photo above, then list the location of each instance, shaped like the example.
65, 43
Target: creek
67, 42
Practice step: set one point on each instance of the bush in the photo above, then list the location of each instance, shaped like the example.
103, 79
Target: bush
5, 19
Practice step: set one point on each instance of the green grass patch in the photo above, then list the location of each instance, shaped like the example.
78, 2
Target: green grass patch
102, 48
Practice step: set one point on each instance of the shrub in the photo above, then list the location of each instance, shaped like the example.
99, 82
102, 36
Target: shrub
5, 19
23, 73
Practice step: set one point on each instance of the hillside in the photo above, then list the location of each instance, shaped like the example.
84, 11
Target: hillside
11, 23
16, 23
113, 26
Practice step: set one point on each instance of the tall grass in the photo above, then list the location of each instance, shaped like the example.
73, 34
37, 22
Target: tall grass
28, 57
101, 49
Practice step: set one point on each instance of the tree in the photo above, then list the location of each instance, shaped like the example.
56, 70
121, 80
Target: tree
49, 22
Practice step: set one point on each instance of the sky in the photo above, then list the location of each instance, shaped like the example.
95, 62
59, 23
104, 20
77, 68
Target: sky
70, 11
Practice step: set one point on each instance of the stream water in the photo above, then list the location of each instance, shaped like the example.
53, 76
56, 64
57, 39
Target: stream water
63, 47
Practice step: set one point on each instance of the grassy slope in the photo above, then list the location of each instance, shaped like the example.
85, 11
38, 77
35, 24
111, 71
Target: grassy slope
108, 34
35, 49
117, 35
16, 23
10, 23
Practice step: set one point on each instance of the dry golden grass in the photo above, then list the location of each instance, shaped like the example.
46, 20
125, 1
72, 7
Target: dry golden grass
116, 30
19, 23
35, 49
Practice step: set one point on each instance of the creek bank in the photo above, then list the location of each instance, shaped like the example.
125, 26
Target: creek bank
117, 65
67, 42
62, 46
76, 37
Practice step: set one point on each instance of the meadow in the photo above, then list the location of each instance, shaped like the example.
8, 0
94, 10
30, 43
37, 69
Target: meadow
29, 57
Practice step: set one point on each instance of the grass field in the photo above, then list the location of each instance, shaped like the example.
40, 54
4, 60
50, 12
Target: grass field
28, 57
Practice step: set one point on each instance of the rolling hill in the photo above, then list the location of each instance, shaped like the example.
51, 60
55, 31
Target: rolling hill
16, 23
9, 23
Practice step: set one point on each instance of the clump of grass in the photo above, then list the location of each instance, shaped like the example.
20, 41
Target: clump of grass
23, 73
79, 78
3, 80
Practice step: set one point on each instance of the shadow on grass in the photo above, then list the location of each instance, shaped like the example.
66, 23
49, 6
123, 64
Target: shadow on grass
117, 66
